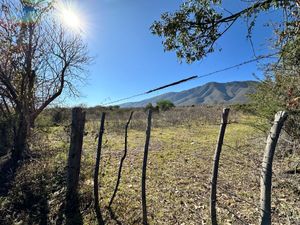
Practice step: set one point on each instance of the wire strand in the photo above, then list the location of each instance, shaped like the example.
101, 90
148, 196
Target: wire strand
256, 59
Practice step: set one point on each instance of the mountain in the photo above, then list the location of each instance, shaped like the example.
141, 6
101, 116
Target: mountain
210, 93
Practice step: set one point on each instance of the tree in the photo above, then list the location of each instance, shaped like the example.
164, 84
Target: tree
148, 106
39, 59
164, 105
193, 30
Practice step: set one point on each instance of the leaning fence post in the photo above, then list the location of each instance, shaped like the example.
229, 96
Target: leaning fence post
214, 178
121, 162
266, 171
96, 172
73, 170
148, 132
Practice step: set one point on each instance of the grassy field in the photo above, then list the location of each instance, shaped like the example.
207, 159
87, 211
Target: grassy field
178, 174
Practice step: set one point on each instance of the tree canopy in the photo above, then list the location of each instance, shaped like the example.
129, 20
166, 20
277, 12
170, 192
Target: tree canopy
195, 27
165, 105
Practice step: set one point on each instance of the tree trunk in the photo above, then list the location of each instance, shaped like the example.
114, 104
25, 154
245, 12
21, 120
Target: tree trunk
20, 139
266, 172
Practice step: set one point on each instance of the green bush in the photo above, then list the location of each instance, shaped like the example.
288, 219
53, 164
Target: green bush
165, 105
53, 117
113, 107
44, 121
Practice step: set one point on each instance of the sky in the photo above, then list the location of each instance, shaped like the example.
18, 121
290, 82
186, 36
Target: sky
129, 60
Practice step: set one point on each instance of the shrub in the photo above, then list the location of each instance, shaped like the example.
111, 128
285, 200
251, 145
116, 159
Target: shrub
59, 115
113, 107
280, 89
165, 105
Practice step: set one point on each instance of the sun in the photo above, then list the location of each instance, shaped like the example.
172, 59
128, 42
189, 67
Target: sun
70, 16
71, 19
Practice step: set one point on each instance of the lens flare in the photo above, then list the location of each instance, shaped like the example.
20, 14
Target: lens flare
70, 16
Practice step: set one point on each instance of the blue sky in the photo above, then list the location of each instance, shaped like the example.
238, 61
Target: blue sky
128, 59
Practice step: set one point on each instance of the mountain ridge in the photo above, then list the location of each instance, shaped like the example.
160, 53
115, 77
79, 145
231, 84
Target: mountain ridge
210, 93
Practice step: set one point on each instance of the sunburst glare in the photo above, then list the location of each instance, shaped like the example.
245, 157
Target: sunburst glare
70, 16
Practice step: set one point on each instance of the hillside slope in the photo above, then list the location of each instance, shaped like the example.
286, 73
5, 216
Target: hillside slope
210, 93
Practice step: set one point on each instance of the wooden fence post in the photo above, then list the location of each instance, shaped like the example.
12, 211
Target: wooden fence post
96, 172
214, 178
144, 169
73, 215
266, 171
121, 162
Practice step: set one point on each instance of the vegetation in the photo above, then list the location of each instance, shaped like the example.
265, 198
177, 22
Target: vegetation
39, 60
193, 30
59, 115
150, 106
165, 105
280, 90
178, 174
114, 107
161, 105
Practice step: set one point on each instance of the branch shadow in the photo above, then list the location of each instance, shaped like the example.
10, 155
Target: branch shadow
113, 216
72, 210
8, 170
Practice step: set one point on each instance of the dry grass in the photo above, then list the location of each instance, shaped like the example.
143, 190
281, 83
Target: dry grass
179, 167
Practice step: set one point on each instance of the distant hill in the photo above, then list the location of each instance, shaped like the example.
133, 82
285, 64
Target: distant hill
210, 93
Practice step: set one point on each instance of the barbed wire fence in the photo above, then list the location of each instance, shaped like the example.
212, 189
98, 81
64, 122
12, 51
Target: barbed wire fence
227, 195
